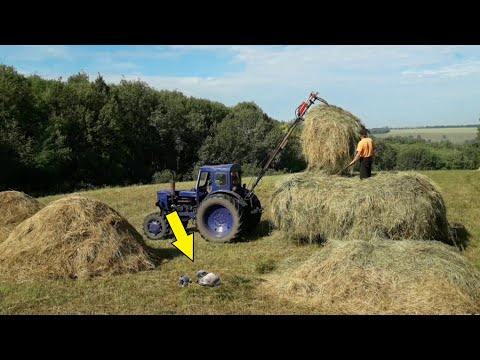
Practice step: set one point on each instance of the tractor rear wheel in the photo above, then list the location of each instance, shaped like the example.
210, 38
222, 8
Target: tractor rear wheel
219, 218
155, 226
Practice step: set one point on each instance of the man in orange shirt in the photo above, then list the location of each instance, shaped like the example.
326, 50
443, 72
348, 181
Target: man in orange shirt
365, 153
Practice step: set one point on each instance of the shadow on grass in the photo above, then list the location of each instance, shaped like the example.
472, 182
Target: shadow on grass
158, 255
264, 228
460, 236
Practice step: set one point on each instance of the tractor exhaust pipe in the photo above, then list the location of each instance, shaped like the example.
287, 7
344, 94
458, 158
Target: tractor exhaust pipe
172, 189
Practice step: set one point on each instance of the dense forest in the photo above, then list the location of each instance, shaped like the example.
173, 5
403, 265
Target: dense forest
60, 136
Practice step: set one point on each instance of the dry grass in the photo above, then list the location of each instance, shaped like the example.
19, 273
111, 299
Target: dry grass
329, 138
316, 207
5, 231
242, 266
74, 237
379, 277
15, 207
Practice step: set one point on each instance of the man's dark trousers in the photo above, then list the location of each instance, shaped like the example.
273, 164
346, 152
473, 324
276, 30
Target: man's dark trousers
366, 167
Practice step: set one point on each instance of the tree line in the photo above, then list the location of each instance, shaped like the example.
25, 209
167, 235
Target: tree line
382, 130
400, 153
59, 136
435, 127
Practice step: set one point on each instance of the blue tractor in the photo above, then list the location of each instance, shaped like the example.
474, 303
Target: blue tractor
220, 205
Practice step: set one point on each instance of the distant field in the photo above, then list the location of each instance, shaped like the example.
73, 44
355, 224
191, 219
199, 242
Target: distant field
455, 135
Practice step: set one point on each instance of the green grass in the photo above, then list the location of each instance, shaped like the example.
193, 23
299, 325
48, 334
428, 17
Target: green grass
241, 265
455, 135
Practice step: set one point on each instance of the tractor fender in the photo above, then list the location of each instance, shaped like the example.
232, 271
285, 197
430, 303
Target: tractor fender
237, 197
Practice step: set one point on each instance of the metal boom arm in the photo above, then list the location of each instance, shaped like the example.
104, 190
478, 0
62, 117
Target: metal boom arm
275, 152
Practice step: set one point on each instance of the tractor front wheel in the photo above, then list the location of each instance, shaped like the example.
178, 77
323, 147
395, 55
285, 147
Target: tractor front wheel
219, 218
155, 226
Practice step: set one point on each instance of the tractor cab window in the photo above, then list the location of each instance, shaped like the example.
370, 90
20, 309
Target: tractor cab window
221, 179
204, 176
205, 183
236, 181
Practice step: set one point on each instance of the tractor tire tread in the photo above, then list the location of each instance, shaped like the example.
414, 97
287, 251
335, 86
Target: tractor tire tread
239, 215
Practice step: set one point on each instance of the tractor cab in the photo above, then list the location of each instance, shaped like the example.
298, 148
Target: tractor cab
218, 178
211, 179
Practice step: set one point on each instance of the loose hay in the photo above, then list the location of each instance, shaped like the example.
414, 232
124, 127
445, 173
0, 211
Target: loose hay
5, 231
15, 207
316, 207
74, 237
379, 277
329, 138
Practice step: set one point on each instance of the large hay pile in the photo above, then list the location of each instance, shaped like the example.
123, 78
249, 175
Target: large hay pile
74, 237
330, 137
379, 277
15, 207
314, 207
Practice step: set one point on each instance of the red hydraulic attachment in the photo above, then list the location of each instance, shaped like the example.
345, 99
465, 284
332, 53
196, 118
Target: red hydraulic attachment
304, 106
299, 113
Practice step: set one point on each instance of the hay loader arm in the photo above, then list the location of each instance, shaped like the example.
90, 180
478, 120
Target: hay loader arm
300, 111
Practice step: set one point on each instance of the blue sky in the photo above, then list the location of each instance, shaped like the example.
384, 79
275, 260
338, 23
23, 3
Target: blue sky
385, 85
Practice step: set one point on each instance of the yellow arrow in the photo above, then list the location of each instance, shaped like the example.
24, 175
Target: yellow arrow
184, 242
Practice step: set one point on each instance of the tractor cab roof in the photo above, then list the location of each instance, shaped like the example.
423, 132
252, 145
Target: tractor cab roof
225, 167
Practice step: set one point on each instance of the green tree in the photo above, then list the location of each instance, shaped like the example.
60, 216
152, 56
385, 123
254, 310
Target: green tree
475, 149
385, 155
478, 132
247, 135
291, 159
137, 101
418, 158
18, 126
180, 129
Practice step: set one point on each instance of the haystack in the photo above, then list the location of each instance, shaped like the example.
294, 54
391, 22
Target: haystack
74, 237
315, 207
379, 277
329, 138
15, 207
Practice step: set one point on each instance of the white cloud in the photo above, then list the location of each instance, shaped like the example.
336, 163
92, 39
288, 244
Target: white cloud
42, 52
448, 71
362, 78
137, 53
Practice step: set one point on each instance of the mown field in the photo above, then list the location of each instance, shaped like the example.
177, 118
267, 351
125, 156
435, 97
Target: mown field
454, 135
241, 265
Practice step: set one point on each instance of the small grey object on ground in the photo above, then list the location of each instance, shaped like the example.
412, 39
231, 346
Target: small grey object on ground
201, 273
208, 279
184, 281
